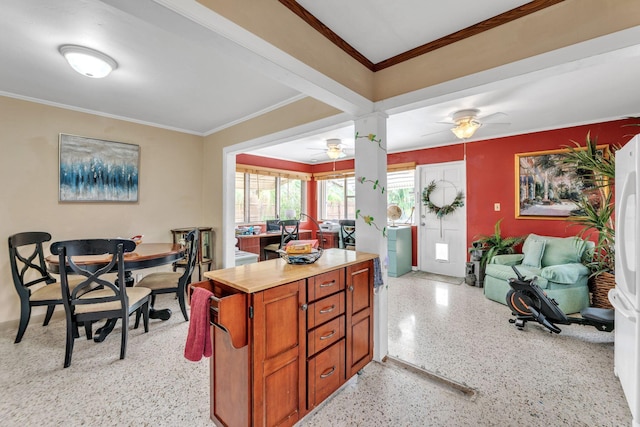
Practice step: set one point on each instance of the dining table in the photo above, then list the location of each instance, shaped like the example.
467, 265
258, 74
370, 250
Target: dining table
145, 255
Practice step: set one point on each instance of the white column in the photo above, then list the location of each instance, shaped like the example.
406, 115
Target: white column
371, 208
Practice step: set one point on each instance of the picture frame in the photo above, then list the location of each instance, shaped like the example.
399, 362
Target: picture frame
97, 170
545, 187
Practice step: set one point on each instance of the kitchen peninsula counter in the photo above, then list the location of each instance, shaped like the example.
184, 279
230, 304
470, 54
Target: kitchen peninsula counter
286, 337
264, 275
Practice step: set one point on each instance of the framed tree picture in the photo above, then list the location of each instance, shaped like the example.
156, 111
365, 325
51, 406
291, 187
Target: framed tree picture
95, 170
546, 188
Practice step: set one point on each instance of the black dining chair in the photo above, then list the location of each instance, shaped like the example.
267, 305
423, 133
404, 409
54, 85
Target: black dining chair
33, 283
111, 301
289, 232
348, 233
172, 282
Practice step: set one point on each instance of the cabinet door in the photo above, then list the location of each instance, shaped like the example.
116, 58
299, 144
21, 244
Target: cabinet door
359, 312
279, 336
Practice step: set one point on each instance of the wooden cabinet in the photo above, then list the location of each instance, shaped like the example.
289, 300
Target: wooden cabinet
300, 342
330, 239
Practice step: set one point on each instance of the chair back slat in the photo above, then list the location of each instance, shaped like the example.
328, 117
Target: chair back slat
192, 257
26, 258
289, 231
81, 294
348, 232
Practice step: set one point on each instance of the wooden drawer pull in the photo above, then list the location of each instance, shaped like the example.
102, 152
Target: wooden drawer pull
329, 372
327, 284
329, 335
328, 309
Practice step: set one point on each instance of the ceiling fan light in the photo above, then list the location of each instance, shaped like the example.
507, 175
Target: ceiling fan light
334, 153
88, 62
465, 128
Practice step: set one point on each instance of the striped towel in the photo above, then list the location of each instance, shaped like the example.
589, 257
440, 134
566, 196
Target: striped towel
377, 273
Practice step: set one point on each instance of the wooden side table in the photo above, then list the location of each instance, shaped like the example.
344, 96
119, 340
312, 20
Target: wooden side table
206, 247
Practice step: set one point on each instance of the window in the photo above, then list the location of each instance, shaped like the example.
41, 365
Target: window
240, 198
401, 192
290, 192
337, 198
260, 197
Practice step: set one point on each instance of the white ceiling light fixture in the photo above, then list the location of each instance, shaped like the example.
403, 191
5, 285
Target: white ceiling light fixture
88, 62
334, 149
466, 123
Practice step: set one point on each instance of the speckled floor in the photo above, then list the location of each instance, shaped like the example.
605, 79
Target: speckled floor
518, 377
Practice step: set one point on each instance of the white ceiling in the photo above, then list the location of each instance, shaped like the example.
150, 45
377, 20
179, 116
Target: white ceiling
205, 76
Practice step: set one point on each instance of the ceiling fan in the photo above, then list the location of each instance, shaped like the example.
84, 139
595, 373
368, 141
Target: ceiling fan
467, 122
335, 149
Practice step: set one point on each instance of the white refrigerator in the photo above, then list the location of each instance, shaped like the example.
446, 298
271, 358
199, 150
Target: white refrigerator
625, 297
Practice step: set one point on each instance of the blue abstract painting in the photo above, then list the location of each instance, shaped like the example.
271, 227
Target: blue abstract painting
94, 170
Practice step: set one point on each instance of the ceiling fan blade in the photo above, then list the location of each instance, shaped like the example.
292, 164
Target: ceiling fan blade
495, 118
495, 124
435, 133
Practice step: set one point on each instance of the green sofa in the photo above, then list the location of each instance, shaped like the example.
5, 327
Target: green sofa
556, 261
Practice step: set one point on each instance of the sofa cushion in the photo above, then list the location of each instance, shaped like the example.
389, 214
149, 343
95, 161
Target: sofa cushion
567, 274
507, 259
533, 256
558, 250
505, 272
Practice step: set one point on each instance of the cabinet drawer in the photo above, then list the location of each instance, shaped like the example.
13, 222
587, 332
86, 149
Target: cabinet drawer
325, 335
227, 309
325, 284
325, 309
326, 373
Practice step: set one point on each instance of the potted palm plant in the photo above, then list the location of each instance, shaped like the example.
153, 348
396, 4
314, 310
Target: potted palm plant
488, 246
595, 211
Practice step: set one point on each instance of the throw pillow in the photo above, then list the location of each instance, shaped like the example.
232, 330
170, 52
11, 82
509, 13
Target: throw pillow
533, 256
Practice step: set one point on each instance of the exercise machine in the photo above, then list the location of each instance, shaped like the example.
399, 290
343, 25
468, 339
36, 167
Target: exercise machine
529, 302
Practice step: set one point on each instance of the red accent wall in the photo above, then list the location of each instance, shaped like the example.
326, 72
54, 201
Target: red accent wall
491, 177
490, 174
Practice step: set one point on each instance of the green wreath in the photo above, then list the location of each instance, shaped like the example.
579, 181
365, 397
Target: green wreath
441, 211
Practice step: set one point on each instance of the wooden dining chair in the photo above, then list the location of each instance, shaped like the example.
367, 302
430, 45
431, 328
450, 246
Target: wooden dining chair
289, 228
172, 282
111, 301
33, 283
348, 233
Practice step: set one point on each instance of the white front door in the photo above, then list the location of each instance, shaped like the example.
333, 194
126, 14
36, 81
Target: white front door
442, 241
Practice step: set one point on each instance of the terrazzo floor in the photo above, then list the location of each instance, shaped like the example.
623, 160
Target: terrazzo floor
517, 378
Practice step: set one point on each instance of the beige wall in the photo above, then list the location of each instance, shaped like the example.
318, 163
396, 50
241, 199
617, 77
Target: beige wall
170, 195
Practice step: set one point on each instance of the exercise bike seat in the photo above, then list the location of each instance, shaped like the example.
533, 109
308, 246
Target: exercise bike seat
602, 315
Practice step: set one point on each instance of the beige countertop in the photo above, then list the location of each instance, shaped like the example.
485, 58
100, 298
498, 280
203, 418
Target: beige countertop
259, 276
